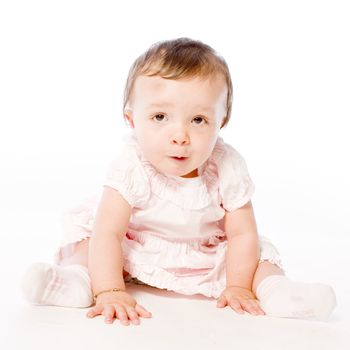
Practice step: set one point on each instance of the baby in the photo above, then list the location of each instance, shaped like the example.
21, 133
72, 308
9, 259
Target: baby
175, 211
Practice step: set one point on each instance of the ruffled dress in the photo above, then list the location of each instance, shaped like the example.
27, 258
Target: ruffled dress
175, 239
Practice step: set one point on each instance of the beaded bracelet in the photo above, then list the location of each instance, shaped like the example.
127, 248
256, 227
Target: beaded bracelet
107, 291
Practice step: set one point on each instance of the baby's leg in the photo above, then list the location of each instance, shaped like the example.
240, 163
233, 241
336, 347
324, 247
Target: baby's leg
80, 255
67, 284
281, 297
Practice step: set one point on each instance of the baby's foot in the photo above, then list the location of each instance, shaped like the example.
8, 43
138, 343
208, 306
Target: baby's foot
69, 286
281, 297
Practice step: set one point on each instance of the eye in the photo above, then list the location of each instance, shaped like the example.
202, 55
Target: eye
199, 120
159, 117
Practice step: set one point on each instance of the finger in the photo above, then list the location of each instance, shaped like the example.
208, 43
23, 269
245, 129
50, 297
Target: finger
248, 306
252, 307
222, 302
236, 306
134, 317
97, 310
122, 315
109, 313
258, 308
142, 311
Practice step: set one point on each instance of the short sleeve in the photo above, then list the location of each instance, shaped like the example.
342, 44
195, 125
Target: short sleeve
126, 174
235, 185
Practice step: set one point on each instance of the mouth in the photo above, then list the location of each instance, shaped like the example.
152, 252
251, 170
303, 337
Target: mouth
179, 158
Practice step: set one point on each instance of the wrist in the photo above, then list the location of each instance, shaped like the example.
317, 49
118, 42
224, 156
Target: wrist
108, 292
240, 283
237, 286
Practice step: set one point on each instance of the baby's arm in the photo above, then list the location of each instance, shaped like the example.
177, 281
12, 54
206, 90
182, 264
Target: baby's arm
106, 259
243, 246
105, 253
242, 259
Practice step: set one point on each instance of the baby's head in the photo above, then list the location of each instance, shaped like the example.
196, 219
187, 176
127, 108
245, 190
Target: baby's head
177, 97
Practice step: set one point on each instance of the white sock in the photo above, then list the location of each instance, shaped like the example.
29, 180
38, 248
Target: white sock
46, 284
281, 297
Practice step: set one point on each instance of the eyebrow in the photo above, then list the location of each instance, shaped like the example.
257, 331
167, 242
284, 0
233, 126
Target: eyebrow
170, 104
162, 104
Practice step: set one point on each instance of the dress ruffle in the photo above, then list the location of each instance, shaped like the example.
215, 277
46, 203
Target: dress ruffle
78, 220
189, 267
235, 185
187, 193
128, 177
186, 267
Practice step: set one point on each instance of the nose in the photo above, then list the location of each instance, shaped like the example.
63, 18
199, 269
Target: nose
180, 137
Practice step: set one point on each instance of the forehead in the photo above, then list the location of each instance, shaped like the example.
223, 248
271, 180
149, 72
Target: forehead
158, 91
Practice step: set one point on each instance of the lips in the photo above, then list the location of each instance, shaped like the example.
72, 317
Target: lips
178, 158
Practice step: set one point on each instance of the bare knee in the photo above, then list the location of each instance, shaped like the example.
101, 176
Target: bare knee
79, 256
82, 245
269, 268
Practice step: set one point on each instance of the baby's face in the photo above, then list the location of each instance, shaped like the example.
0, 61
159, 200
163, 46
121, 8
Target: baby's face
176, 122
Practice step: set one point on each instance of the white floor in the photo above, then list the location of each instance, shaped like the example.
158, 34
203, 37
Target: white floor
178, 321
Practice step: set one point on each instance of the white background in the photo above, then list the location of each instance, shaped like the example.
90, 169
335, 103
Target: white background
63, 66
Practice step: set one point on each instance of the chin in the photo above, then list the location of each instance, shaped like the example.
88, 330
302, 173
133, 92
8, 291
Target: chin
175, 172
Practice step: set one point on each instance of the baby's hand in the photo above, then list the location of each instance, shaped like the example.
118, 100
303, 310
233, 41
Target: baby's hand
240, 300
120, 305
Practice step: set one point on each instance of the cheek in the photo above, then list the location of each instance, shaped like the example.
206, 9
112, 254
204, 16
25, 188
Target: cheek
149, 145
205, 145
143, 134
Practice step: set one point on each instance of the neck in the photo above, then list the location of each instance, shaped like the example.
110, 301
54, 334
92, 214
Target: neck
193, 173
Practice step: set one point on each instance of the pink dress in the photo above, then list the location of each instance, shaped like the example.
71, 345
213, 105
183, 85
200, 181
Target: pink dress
175, 237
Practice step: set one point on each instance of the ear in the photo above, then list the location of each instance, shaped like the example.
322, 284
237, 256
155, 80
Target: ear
129, 118
223, 122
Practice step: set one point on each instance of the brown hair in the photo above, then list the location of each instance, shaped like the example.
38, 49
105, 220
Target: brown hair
180, 59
